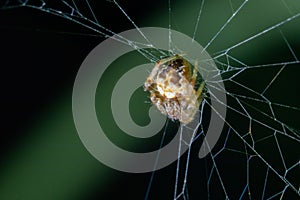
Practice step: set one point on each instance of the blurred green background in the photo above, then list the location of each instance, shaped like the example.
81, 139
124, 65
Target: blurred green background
42, 156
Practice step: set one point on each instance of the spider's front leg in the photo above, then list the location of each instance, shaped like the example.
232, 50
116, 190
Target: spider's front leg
193, 82
194, 76
199, 92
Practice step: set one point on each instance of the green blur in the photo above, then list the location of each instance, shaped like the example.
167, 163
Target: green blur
53, 164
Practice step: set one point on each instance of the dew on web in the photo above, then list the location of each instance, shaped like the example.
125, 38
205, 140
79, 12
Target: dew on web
255, 46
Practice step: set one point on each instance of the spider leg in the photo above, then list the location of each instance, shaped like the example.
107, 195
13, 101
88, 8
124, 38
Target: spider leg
165, 60
194, 76
199, 91
193, 82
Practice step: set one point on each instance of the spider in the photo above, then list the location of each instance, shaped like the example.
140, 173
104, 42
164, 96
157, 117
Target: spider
172, 88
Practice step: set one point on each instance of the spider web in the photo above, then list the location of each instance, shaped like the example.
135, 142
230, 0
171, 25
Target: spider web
257, 156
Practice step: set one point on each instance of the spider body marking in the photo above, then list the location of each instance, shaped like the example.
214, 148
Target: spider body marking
172, 88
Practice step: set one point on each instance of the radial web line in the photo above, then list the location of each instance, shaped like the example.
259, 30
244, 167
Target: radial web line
225, 24
198, 20
262, 32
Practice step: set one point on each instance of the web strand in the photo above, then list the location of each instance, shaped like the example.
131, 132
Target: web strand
255, 118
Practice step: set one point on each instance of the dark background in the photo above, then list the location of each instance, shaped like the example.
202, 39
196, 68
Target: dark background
40, 56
